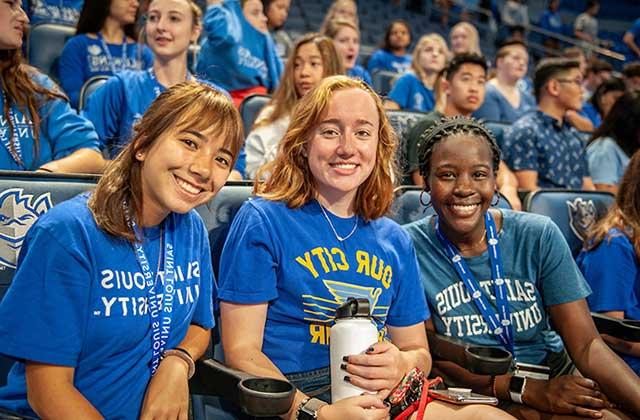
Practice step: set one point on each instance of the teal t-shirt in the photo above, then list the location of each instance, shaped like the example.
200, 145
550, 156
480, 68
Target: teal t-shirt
539, 272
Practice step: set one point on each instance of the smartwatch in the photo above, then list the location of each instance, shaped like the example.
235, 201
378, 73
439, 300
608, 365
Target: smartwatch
308, 409
517, 386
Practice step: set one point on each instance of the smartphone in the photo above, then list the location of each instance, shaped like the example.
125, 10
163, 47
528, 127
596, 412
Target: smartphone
462, 399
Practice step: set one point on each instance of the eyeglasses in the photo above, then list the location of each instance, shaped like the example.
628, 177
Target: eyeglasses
577, 82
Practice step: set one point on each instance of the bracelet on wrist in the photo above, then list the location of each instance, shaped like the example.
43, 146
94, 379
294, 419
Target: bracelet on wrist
494, 392
185, 356
43, 169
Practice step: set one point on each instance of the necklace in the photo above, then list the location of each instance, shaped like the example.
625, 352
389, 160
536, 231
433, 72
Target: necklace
482, 238
338, 237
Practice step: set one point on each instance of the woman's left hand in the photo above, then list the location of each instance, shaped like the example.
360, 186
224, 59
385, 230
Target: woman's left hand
379, 369
167, 396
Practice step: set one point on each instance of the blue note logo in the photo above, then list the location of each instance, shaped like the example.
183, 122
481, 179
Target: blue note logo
582, 216
94, 49
18, 211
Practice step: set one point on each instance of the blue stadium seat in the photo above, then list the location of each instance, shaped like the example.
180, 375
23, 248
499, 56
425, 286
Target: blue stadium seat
573, 211
407, 208
45, 46
250, 108
499, 130
401, 122
382, 81
89, 87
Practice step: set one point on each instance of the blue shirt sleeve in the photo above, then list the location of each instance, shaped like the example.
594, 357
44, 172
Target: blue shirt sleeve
401, 92
611, 271
104, 108
72, 68
520, 152
55, 281
221, 25
603, 163
248, 262
490, 108
375, 62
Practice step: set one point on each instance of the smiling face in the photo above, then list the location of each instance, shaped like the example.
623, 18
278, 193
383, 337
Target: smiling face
170, 28
342, 150
347, 42
124, 11
308, 69
12, 21
277, 13
461, 182
181, 170
254, 13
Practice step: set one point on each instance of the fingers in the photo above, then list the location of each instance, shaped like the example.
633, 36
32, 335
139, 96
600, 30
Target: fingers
371, 401
373, 385
585, 412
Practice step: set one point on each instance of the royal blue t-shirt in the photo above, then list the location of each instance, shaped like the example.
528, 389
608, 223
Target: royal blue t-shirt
84, 57
62, 131
120, 103
359, 72
635, 31
613, 273
382, 60
539, 271
292, 260
78, 299
411, 94
234, 54
64, 12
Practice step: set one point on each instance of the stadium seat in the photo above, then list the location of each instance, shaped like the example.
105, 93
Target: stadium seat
382, 81
45, 45
89, 87
401, 122
250, 108
406, 207
573, 211
499, 130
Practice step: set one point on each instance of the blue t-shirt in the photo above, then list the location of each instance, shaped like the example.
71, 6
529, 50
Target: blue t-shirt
635, 31
551, 21
359, 72
64, 12
607, 161
291, 259
61, 132
537, 142
79, 299
382, 60
117, 105
84, 57
497, 108
234, 54
589, 111
539, 271
614, 275
411, 94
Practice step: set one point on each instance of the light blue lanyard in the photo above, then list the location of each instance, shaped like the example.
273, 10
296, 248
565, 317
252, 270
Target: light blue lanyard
105, 47
160, 305
499, 323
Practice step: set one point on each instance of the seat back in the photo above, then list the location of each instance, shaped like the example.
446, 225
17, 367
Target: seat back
45, 45
407, 207
499, 130
91, 86
250, 108
401, 122
575, 212
382, 81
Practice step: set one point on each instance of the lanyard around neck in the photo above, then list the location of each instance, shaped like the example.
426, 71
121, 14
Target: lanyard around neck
159, 302
499, 323
105, 47
7, 142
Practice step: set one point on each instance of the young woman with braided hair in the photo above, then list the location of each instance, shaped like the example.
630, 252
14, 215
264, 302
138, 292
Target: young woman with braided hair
38, 128
491, 276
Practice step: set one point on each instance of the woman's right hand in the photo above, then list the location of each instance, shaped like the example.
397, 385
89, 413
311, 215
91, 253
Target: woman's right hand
566, 394
367, 406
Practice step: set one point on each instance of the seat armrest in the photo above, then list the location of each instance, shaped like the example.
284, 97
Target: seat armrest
624, 329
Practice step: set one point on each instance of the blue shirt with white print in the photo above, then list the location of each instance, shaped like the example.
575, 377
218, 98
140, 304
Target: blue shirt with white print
79, 299
63, 12
411, 94
382, 60
291, 260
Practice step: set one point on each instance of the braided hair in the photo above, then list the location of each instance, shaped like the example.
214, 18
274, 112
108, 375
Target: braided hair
454, 126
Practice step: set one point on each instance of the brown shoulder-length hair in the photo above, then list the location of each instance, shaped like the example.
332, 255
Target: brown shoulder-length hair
289, 178
285, 97
20, 90
187, 105
624, 215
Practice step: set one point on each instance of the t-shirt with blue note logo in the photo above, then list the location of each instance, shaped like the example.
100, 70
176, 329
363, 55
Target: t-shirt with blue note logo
79, 299
292, 260
383, 60
539, 272
411, 94
64, 12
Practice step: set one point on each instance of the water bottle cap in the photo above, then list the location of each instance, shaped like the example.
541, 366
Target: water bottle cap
354, 308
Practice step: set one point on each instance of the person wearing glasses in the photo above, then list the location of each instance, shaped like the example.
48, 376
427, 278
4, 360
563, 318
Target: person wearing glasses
542, 148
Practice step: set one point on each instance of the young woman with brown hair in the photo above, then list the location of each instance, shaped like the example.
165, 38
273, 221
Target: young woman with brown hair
38, 128
112, 298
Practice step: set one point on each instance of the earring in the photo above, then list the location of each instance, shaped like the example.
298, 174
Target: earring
496, 194
426, 205
139, 155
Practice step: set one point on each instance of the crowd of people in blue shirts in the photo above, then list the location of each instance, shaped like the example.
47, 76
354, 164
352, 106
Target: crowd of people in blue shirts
114, 295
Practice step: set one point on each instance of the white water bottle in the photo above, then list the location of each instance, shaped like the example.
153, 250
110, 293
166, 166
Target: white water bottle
353, 333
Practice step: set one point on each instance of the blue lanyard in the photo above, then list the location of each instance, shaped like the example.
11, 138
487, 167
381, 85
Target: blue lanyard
105, 47
16, 153
158, 303
499, 323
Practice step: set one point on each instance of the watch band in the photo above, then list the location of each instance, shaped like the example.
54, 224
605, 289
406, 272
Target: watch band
184, 355
308, 409
517, 386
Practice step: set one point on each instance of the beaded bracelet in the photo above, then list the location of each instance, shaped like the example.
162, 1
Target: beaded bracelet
184, 355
